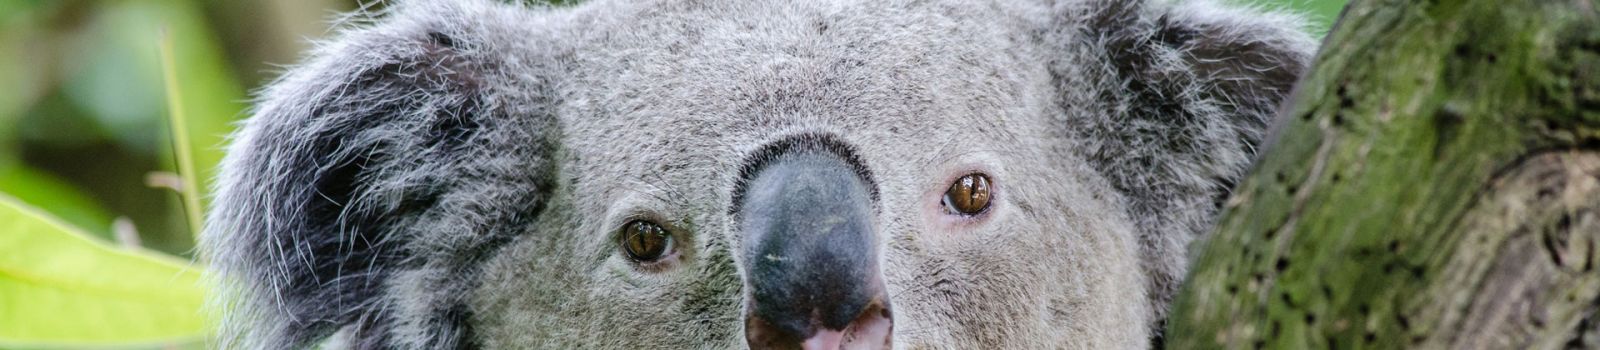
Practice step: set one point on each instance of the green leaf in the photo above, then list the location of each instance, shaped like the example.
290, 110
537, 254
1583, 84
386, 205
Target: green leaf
60, 198
61, 288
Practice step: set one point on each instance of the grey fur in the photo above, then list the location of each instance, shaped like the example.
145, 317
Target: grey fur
454, 174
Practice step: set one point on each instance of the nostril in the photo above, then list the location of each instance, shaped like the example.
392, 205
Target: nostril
874, 329
763, 334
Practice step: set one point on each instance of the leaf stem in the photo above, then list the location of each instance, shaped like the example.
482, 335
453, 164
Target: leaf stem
180, 137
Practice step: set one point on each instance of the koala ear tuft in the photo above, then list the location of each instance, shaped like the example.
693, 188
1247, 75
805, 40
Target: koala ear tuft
362, 165
1169, 101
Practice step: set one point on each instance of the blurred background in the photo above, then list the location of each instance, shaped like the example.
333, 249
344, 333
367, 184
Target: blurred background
83, 128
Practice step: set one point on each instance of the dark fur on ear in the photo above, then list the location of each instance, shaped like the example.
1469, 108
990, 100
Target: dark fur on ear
1173, 112
400, 150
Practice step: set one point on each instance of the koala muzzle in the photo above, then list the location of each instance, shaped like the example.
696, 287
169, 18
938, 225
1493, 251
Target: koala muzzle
811, 257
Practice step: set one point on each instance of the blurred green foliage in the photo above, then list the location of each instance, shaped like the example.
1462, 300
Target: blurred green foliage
82, 106
1321, 13
59, 286
82, 128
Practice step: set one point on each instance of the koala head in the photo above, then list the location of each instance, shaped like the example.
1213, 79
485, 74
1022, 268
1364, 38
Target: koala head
729, 174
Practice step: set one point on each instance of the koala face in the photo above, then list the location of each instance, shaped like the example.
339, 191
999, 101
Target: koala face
731, 174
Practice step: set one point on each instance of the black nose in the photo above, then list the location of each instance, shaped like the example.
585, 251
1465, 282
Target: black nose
810, 256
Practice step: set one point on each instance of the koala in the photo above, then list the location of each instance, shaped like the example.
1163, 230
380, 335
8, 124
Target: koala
831, 174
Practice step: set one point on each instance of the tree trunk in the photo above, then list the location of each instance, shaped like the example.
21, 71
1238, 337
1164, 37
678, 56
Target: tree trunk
1433, 183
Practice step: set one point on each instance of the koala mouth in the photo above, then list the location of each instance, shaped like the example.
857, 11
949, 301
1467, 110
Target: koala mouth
869, 331
810, 254
873, 329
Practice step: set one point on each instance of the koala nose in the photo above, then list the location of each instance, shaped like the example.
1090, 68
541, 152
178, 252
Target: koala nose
810, 257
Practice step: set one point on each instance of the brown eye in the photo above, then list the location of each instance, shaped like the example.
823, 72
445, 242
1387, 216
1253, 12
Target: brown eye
969, 195
645, 241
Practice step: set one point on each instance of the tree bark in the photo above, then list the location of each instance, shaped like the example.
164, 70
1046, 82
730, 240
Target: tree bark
1434, 182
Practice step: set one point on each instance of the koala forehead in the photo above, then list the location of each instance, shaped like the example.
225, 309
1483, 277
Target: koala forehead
693, 86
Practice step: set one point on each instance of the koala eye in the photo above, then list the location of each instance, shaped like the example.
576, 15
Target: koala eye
969, 195
645, 241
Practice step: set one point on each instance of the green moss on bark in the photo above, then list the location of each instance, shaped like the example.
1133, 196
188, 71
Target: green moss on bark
1395, 195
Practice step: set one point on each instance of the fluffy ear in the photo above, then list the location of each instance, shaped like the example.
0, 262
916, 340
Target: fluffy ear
1169, 102
415, 144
